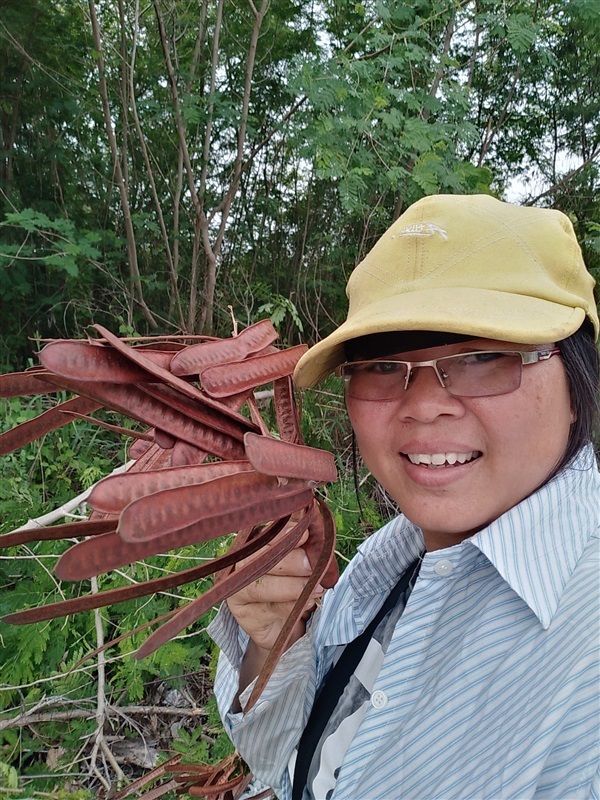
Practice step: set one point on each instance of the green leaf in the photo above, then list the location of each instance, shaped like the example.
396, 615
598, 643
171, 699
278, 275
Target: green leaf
9, 777
28, 219
62, 261
426, 173
521, 32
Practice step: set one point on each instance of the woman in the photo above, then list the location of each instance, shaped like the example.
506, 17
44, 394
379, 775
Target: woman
457, 657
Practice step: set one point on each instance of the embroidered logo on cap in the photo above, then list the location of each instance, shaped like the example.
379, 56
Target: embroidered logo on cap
421, 229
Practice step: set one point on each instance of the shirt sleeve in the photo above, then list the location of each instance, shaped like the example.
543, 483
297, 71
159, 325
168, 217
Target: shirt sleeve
266, 735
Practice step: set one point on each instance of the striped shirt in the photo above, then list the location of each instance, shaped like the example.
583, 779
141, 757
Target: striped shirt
489, 689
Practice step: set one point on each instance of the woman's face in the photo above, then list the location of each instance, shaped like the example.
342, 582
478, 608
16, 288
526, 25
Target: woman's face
511, 442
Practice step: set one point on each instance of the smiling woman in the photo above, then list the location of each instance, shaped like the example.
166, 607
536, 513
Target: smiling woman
506, 442
457, 657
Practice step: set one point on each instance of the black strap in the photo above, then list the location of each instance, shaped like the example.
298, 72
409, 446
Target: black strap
335, 682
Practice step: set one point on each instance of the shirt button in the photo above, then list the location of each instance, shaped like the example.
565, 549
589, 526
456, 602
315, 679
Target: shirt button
443, 567
379, 699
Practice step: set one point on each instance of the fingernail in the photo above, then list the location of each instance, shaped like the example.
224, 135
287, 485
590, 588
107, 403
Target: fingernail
307, 565
319, 589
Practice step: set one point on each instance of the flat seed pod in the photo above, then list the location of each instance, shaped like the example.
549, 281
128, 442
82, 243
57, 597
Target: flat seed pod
195, 358
108, 552
171, 496
153, 457
286, 412
140, 445
321, 540
137, 404
271, 456
112, 494
160, 357
19, 384
228, 379
164, 375
205, 415
164, 439
90, 362
69, 530
252, 569
165, 341
185, 454
177, 508
319, 569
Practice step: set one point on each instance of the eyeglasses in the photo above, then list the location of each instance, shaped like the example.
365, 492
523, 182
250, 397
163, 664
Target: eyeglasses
482, 373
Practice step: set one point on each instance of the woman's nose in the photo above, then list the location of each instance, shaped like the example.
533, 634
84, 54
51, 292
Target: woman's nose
425, 398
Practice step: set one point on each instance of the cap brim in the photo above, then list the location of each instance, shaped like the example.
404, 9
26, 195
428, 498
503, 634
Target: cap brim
480, 313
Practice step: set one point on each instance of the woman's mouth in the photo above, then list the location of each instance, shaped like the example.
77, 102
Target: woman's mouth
441, 460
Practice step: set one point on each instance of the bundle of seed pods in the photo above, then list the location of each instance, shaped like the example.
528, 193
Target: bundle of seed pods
200, 470
228, 780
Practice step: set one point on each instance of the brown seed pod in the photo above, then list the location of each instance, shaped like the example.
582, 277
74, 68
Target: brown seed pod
112, 494
192, 360
21, 384
205, 465
227, 379
50, 420
171, 496
287, 460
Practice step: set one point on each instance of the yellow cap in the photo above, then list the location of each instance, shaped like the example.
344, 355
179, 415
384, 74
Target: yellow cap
466, 264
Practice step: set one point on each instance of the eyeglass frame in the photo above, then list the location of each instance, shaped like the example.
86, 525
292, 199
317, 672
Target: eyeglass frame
527, 357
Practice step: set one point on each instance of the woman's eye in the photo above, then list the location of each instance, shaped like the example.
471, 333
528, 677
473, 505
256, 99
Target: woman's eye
485, 357
385, 367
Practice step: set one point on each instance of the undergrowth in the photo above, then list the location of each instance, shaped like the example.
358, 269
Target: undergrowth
40, 669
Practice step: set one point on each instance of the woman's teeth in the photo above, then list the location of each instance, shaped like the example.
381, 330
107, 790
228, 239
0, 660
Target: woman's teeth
441, 459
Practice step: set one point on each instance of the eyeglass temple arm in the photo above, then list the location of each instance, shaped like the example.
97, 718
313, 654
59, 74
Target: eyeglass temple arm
538, 355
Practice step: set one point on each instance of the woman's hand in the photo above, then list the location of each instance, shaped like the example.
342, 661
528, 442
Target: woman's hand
262, 608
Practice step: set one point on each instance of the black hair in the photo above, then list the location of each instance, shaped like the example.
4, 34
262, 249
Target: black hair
581, 361
380, 345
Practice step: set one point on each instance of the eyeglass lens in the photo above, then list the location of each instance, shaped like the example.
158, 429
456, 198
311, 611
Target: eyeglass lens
466, 375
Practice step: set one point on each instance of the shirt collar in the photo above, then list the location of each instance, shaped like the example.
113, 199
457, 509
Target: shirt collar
536, 545
533, 546
373, 572
383, 558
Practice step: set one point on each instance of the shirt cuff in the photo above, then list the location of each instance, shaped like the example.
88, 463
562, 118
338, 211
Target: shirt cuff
266, 735
295, 667
231, 640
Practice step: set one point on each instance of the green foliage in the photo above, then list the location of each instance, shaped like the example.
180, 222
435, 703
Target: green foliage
44, 260
39, 662
9, 778
278, 309
356, 109
193, 745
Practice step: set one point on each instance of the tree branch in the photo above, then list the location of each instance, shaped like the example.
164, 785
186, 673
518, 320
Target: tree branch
66, 509
136, 286
237, 168
564, 181
23, 720
176, 299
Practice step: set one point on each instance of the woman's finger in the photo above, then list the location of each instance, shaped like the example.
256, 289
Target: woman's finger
270, 589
